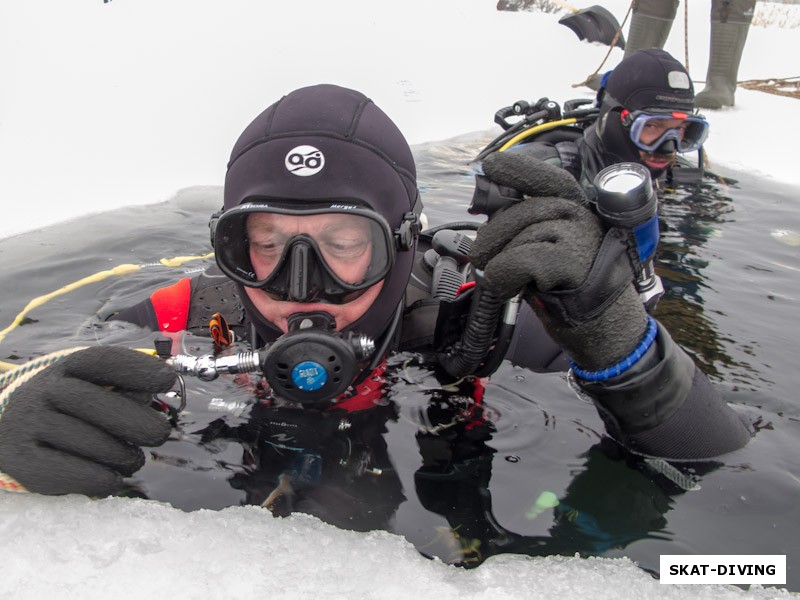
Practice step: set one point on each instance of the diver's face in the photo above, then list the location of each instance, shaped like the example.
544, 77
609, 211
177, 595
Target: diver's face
345, 245
653, 130
344, 241
278, 312
656, 162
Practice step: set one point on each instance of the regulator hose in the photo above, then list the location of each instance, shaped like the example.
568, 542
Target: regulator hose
464, 357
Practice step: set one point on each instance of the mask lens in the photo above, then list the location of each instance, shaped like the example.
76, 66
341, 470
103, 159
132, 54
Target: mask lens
694, 134
349, 245
650, 131
327, 254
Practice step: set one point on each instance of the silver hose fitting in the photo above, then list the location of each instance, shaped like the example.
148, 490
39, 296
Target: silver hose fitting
363, 346
208, 368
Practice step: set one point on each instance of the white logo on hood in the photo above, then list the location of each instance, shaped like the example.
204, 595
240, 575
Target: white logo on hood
304, 161
678, 80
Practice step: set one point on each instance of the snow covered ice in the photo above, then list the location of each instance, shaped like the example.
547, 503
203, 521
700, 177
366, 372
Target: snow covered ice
73, 547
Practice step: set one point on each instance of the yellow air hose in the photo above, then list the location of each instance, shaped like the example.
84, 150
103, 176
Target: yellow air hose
532, 131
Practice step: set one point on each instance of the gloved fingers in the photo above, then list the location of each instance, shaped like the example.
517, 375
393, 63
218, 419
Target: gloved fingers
576, 243
538, 209
77, 438
120, 367
532, 176
495, 234
45, 470
114, 413
142, 398
543, 266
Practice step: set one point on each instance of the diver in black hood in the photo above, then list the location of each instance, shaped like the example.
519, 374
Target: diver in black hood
323, 270
646, 115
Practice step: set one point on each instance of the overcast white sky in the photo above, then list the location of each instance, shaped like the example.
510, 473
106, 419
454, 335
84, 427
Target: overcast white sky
110, 104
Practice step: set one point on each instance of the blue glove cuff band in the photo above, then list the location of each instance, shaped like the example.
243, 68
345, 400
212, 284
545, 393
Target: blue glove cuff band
623, 365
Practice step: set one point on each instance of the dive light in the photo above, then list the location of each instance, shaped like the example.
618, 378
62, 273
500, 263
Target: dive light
626, 199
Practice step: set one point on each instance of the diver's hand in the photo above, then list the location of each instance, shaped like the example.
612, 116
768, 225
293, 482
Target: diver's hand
77, 426
576, 276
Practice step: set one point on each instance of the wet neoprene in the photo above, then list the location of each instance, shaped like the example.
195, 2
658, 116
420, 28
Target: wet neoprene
551, 244
573, 274
78, 425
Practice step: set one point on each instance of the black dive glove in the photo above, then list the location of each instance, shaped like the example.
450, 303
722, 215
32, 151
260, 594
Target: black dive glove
77, 426
576, 276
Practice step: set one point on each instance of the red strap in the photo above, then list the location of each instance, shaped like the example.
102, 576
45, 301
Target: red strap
367, 393
464, 287
171, 305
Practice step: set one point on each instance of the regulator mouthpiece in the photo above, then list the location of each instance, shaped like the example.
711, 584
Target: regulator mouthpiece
307, 366
626, 199
311, 366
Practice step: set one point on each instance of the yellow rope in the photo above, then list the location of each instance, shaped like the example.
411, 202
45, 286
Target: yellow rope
686, 35
177, 261
10, 484
15, 375
610, 47
118, 270
13, 380
20, 374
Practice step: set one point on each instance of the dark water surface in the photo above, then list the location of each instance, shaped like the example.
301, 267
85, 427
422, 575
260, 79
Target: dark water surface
461, 481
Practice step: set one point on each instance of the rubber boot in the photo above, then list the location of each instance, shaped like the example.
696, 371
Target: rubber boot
651, 23
730, 22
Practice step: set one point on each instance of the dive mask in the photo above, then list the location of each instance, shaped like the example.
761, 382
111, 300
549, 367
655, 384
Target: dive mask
328, 253
689, 135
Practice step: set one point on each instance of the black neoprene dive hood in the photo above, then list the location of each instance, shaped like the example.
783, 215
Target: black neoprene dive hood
329, 143
648, 80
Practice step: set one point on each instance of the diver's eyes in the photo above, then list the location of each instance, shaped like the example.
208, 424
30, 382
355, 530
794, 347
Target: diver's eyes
268, 247
656, 125
345, 248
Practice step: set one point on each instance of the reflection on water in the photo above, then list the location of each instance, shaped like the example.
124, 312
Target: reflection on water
464, 472
688, 218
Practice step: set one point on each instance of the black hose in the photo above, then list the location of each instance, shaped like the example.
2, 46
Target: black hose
504, 335
470, 225
466, 356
